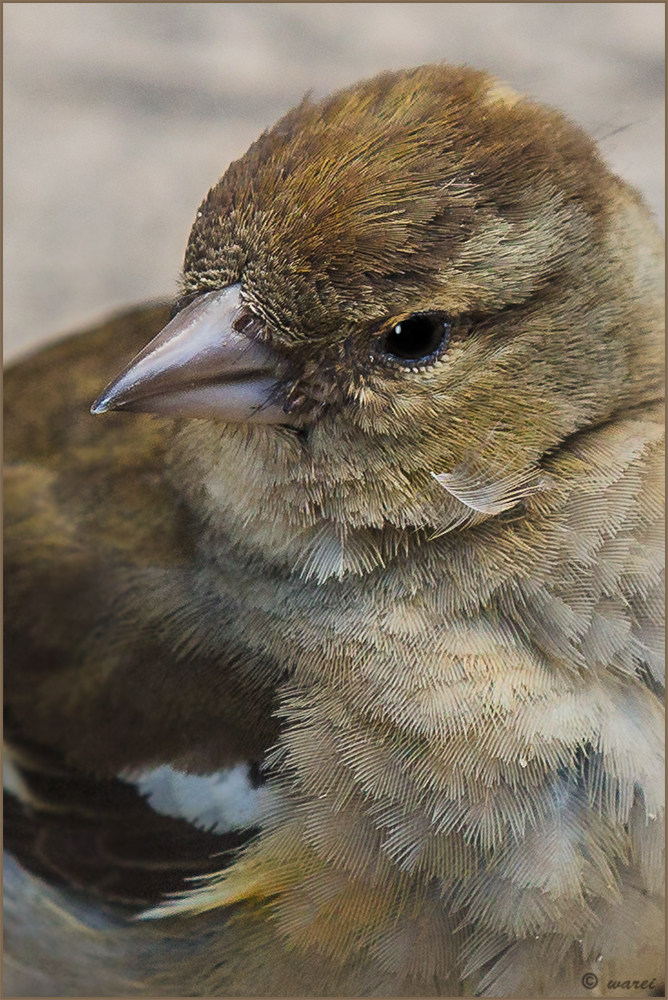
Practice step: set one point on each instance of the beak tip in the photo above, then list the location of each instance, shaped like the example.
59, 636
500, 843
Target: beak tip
101, 405
199, 367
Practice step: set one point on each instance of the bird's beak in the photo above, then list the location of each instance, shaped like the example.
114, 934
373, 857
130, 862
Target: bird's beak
200, 366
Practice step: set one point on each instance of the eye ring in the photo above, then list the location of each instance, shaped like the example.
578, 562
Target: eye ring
419, 338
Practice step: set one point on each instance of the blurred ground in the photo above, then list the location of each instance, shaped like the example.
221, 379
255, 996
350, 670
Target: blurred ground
119, 116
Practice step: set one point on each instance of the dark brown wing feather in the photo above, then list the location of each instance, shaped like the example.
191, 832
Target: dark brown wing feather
102, 837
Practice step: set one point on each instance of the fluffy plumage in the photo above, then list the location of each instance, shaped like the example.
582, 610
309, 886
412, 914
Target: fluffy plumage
419, 585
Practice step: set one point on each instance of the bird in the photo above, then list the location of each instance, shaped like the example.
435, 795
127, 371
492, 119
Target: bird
333, 659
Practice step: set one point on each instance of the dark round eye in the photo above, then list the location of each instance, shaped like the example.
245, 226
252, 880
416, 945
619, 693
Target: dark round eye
417, 337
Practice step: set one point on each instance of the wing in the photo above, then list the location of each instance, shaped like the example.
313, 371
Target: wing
102, 577
102, 836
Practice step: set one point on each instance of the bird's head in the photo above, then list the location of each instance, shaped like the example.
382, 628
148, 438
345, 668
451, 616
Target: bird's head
396, 304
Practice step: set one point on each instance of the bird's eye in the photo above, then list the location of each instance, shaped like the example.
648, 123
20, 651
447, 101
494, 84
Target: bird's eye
417, 338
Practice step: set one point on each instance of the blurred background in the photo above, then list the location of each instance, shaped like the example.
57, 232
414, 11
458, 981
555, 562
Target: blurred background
119, 117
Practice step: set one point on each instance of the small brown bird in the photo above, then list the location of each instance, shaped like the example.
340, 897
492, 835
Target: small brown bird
354, 616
